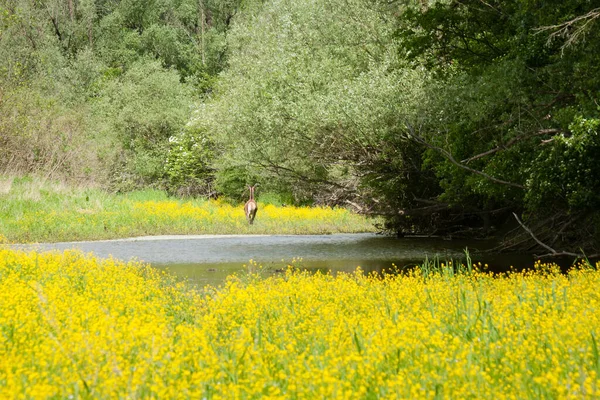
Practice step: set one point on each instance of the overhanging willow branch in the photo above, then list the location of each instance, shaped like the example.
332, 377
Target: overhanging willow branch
450, 158
510, 143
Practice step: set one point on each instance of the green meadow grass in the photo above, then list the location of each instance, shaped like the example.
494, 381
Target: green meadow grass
32, 210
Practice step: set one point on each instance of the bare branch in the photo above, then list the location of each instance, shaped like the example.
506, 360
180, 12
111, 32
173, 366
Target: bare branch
510, 143
569, 29
450, 158
359, 209
564, 226
533, 236
567, 253
492, 7
415, 211
270, 165
553, 253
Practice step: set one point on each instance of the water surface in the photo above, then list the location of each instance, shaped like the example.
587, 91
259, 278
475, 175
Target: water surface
209, 259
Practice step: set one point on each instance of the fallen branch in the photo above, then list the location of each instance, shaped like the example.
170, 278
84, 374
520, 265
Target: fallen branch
566, 253
533, 236
553, 253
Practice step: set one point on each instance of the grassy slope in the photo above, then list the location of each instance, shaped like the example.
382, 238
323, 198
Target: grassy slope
34, 211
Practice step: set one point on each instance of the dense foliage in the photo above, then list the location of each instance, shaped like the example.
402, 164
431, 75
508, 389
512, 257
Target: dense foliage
92, 90
446, 118
513, 117
452, 118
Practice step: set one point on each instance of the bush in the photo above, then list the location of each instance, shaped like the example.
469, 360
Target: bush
188, 168
142, 109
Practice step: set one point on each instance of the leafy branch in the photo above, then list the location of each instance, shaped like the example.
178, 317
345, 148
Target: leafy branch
571, 29
510, 143
451, 158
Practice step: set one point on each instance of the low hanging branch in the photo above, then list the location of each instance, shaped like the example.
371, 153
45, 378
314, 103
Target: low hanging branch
571, 29
270, 165
553, 253
450, 158
550, 249
510, 143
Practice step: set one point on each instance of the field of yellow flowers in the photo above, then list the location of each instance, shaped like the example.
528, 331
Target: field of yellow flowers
33, 211
74, 326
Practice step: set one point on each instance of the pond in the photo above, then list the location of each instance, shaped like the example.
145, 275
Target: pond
209, 259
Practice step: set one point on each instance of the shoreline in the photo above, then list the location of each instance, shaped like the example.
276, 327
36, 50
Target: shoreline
149, 238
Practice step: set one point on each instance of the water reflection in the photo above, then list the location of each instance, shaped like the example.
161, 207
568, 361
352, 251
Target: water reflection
209, 259
215, 273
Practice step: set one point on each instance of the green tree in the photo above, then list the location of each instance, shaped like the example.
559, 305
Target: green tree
506, 107
67, 60
447, 117
310, 89
142, 109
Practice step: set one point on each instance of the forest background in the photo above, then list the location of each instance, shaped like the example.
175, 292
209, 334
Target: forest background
458, 118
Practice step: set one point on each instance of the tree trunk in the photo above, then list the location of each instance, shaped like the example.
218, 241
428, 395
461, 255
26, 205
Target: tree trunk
202, 18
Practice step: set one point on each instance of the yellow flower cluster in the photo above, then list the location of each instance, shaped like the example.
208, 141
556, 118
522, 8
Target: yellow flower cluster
304, 213
217, 212
127, 217
76, 326
170, 210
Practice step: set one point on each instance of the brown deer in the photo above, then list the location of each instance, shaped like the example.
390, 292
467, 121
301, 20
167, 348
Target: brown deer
251, 207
